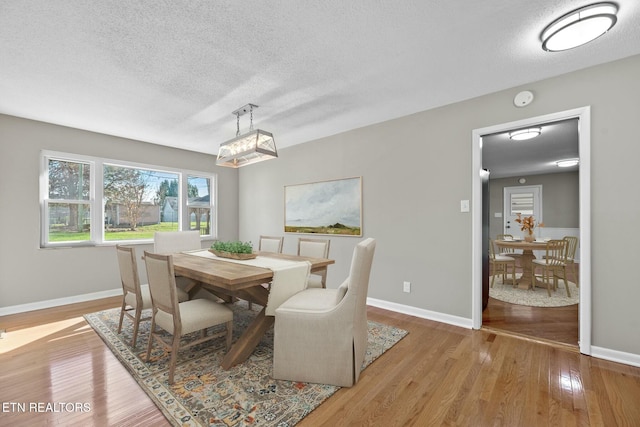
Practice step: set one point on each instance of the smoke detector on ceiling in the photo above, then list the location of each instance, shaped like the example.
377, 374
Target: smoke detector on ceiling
523, 98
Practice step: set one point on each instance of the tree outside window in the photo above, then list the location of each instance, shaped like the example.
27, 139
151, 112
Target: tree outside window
68, 204
134, 202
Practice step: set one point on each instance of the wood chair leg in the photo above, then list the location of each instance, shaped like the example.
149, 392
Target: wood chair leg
547, 281
566, 282
150, 343
124, 305
174, 357
136, 324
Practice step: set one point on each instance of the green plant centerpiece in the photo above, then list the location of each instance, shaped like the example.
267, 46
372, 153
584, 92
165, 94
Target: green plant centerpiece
233, 250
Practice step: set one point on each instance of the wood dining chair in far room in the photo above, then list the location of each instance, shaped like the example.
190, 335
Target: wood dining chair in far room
320, 335
570, 257
553, 265
315, 248
500, 265
181, 318
271, 244
135, 297
512, 252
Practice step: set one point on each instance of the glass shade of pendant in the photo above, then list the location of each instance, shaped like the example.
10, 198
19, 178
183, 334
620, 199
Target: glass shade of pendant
252, 147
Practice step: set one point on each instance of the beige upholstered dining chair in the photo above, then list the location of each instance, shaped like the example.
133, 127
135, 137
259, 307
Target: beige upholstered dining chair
500, 265
171, 242
321, 334
135, 297
553, 265
271, 244
315, 248
180, 318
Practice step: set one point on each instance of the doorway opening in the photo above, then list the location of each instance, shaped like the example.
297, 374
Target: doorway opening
584, 186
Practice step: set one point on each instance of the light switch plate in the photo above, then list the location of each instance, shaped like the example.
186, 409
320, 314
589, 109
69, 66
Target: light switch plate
464, 206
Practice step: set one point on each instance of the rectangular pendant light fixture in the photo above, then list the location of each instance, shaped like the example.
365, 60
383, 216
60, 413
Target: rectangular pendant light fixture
251, 147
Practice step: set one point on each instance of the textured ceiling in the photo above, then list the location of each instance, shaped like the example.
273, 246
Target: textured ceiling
504, 157
171, 72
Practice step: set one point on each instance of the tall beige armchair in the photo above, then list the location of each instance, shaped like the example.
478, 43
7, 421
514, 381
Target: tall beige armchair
321, 334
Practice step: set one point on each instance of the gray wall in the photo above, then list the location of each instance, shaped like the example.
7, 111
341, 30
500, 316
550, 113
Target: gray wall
417, 168
415, 171
29, 274
560, 196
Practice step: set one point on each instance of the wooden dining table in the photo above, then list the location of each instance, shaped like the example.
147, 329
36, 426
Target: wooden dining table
527, 280
230, 280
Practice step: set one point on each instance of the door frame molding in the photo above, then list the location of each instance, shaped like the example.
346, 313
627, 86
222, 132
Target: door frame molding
583, 114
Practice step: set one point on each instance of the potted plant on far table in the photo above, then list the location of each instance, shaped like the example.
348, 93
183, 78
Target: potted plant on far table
527, 225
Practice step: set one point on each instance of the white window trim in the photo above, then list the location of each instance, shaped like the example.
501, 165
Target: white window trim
96, 199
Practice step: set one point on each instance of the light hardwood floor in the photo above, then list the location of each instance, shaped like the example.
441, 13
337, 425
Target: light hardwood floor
437, 375
555, 324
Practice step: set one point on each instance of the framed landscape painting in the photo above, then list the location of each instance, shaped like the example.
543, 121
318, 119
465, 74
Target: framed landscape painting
327, 207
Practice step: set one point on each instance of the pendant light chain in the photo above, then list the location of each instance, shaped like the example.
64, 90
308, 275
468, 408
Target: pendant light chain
251, 118
237, 124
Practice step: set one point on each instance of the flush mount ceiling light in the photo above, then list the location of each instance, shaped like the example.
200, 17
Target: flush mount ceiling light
567, 163
523, 134
579, 27
252, 147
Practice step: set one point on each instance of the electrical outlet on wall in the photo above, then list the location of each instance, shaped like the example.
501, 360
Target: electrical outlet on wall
406, 287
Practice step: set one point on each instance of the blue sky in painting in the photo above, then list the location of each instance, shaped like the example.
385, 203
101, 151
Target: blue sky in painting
323, 203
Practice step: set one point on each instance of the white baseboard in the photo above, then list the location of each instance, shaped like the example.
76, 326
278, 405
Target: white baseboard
597, 352
58, 302
616, 356
424, 314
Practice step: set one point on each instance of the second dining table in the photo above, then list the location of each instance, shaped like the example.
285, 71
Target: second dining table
527, 280
230, 280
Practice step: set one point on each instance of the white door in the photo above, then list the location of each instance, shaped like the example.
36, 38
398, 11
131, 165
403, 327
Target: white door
526, 200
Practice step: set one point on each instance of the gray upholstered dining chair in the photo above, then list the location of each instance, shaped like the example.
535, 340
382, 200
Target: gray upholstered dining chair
270, 244
135, 297
315, 248
180, 318
321, 334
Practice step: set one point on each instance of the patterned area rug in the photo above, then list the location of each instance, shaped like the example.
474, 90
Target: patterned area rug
204, 394
537, 297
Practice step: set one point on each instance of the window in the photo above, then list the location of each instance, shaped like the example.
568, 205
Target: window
131, 201
68, 202
139, 202
199, 203
522, 203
